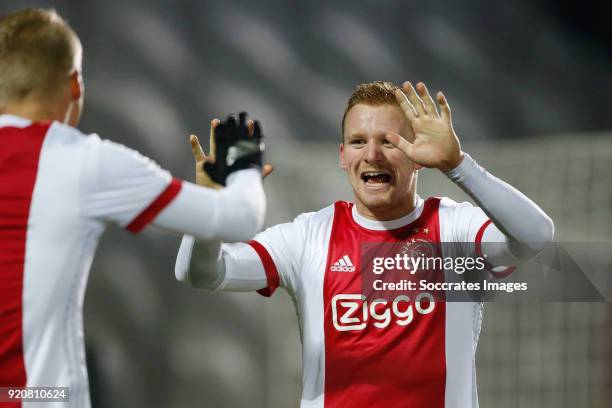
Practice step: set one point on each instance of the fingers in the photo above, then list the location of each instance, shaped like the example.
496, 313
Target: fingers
404, 145
213, 146
444, 107
266, 170
414, 99
242, 118
196, 149
406, 106
430, 107
250, 127
421, 101
257, 134
254, 129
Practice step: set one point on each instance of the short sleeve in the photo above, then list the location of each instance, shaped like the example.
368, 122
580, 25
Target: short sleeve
280, 250
461, 222
470, 227
120, 185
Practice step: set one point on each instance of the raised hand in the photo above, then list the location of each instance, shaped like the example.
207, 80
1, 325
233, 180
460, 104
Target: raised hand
435, 143
203, 178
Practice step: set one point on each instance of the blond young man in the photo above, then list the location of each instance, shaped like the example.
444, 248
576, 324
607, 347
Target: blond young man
402, 353
60, 187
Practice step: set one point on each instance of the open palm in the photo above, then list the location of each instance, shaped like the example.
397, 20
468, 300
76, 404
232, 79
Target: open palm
435, 144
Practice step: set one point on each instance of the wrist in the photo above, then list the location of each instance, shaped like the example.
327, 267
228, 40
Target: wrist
465, 168
246, 176
450, 165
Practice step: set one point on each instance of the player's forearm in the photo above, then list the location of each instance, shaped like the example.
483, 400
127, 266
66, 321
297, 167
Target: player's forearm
199, 263
210, 265
235, 213
242, 206
514, 214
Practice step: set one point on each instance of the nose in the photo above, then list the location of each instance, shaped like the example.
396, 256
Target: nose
373, 152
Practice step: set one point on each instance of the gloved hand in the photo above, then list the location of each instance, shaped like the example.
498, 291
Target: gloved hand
236, 148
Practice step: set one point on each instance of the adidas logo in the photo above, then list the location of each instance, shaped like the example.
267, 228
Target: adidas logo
343, 264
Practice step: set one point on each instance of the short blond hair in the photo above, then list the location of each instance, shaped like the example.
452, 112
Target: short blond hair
373, 93
38, 52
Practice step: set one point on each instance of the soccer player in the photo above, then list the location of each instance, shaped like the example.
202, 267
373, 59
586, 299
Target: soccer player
59, 187
352, 357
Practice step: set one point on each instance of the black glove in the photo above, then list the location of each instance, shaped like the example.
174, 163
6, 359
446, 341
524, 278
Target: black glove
235, 149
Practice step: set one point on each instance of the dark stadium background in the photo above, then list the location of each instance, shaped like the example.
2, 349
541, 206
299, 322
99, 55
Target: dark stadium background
530, 85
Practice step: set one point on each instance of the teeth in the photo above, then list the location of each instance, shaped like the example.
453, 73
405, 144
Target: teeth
373, 174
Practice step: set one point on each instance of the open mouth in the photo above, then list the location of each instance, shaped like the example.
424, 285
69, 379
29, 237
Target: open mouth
375, 177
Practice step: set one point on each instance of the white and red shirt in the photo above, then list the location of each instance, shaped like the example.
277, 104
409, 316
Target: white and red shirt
424, 359
58, 187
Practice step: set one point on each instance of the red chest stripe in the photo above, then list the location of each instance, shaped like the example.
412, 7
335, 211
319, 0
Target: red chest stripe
19, 155
385, 354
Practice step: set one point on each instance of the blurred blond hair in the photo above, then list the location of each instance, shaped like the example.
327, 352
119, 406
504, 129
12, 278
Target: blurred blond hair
38, 52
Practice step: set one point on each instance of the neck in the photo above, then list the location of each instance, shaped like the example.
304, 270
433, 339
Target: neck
387, 214
36, 110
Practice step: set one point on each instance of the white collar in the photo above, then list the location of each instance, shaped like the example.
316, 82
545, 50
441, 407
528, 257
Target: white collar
14, 121
391, 224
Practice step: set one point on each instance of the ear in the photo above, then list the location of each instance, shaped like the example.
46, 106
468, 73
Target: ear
76, 85
342, 161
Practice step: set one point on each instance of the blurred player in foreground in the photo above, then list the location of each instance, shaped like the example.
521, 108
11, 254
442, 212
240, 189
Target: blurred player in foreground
60, 186
381, 356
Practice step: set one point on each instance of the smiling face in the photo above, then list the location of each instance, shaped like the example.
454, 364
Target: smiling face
382, 177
